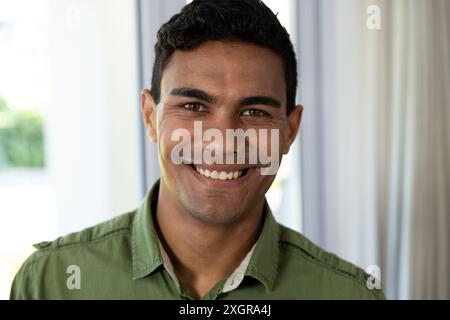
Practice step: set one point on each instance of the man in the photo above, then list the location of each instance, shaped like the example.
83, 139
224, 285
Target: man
205, 229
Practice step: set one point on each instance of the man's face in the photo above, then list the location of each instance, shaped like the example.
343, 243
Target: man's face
222, 85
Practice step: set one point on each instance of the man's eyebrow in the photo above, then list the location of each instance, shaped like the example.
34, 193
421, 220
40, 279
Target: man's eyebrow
203, 95
260, 100
194, 93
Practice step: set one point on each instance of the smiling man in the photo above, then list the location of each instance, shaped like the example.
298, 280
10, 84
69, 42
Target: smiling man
222, 113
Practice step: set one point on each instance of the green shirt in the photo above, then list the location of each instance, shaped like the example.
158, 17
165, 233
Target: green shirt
122, 259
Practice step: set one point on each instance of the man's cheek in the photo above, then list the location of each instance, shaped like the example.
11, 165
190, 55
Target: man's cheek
176, 146
165, 145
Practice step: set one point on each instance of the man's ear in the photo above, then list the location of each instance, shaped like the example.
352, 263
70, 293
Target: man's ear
148, 108
294, 119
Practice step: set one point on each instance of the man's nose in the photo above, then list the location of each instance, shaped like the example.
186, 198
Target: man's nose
222, 122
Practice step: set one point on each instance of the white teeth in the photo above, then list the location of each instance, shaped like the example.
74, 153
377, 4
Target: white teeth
219, 175
223, 175
215, 175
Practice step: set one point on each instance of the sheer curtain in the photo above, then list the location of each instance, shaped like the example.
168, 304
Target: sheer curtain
427, 99
375, 138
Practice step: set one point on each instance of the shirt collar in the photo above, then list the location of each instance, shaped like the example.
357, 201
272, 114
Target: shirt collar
263, 264
147, 257
235, 279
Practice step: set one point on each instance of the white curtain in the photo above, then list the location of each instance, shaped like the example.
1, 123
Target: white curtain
375, 138
427, 99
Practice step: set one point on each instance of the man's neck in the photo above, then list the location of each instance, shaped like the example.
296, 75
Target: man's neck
201, 253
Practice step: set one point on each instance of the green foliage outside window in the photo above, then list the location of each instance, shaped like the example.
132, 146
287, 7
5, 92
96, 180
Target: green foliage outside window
21, 138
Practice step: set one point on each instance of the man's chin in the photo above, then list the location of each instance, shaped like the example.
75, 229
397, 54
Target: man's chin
213, 212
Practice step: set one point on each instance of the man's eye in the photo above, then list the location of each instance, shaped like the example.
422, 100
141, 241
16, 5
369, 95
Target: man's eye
193, 107
254, 113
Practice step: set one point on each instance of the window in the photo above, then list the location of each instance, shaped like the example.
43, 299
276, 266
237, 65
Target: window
69, 121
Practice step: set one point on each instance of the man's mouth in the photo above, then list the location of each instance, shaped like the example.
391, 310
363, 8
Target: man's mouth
220, 174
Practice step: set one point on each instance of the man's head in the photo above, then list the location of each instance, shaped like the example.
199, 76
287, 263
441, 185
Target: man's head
227, 65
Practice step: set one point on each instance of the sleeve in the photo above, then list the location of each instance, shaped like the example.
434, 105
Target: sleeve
378, 294
23, 287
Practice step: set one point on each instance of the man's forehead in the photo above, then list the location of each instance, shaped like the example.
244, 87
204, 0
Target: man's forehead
218, 64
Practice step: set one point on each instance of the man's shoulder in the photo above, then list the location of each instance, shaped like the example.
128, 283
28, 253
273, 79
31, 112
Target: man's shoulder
321, 264
296, 242
49, 263
115, 227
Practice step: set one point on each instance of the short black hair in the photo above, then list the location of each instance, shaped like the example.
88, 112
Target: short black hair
228, 20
